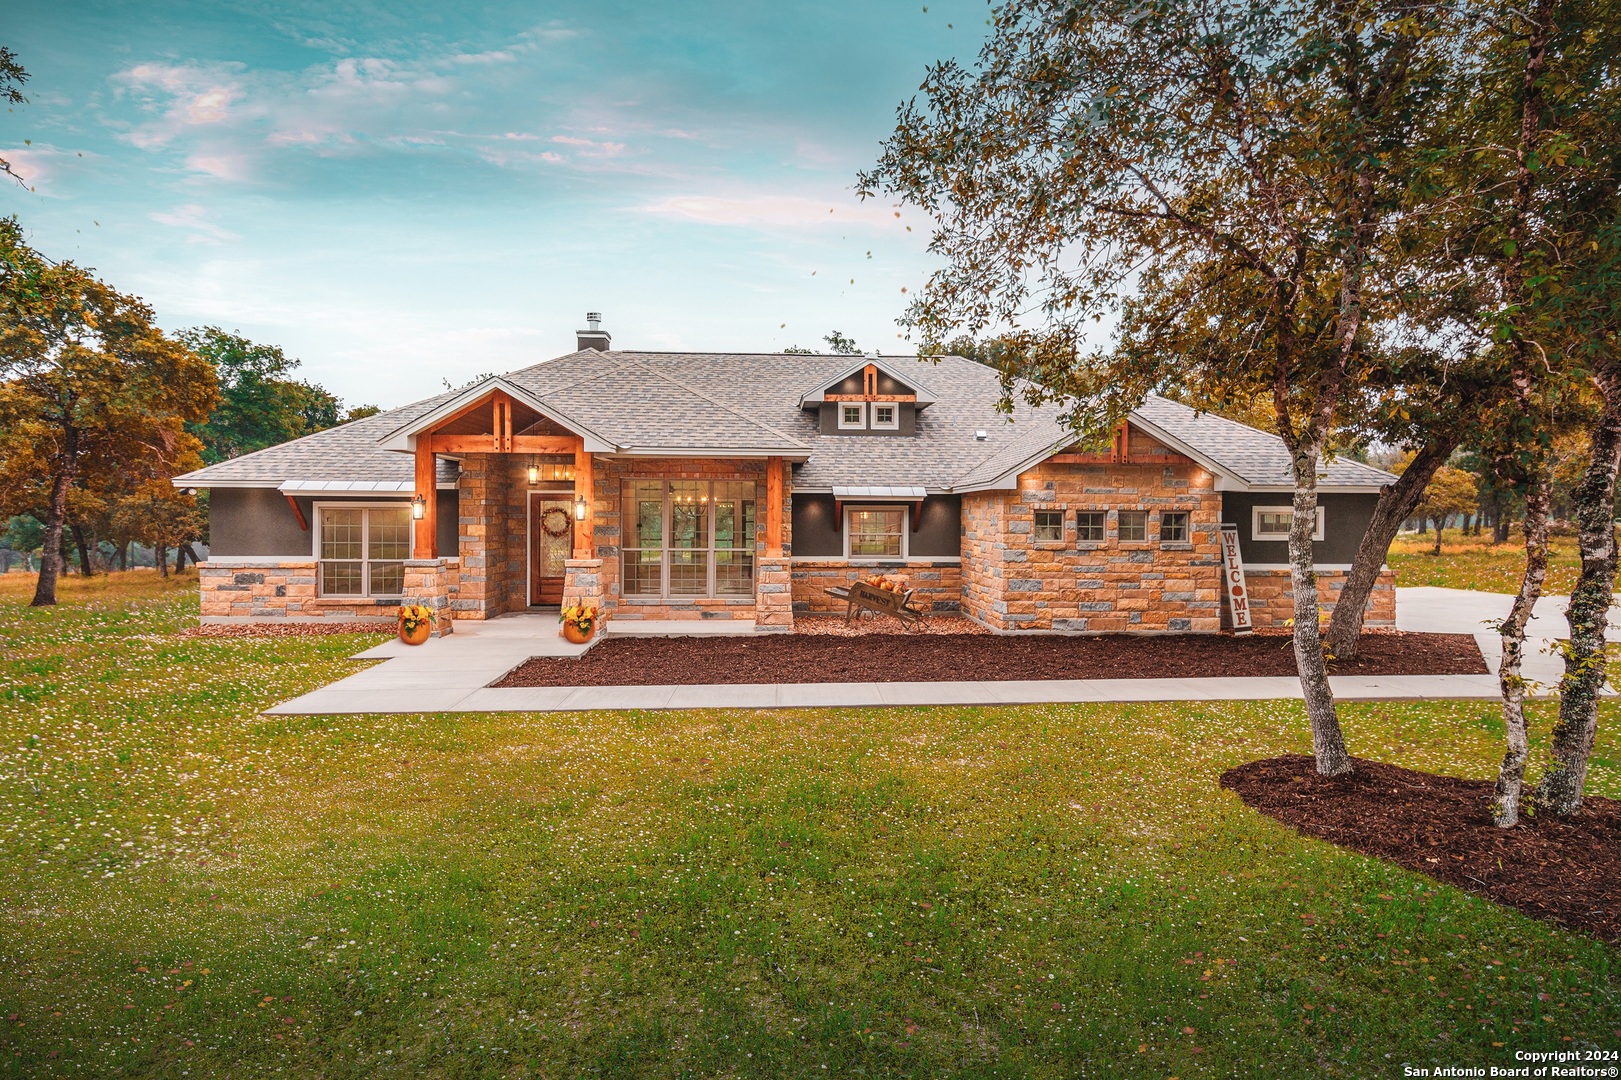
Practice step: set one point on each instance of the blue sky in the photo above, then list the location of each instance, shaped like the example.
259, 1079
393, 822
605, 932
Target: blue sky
402, 193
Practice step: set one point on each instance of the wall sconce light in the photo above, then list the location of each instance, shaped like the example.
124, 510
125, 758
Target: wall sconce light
534, 474
580, 507
419, 506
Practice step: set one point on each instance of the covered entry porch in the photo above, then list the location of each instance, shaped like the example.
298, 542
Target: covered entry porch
548, 515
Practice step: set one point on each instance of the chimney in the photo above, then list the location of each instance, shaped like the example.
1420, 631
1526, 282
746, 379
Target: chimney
595, 337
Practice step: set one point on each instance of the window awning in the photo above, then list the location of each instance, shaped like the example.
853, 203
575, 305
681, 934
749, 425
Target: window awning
879, 494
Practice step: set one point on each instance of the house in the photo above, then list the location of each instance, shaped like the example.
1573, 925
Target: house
741, 486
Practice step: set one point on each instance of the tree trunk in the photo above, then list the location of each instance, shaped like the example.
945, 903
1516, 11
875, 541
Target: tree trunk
191, 552
1328, 742
1395, 505
161, 553
123, 555
1440, 523
82, 544
1511, 773
1588, 614
1423, 524
56, 512
1500, 527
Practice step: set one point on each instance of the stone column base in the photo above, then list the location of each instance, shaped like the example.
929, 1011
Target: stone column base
582, 584
428, 582
773, 595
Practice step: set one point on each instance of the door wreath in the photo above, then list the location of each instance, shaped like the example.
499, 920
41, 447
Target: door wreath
561, 522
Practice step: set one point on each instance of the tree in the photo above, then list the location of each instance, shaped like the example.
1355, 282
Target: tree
1224, 176
1449, 491
162, 517
259, 405
83, 372
12, 77
838, 343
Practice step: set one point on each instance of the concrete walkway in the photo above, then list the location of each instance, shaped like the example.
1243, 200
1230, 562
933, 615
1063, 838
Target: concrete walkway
453, 674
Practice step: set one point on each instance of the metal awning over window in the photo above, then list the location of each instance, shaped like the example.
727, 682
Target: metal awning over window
843, 496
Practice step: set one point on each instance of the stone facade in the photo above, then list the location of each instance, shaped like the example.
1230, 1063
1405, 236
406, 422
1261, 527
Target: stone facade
938, 583
1012, 581
582, 587
278, 590
1272, 598
492, 535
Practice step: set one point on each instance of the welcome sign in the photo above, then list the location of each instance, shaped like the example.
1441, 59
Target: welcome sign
1232, 573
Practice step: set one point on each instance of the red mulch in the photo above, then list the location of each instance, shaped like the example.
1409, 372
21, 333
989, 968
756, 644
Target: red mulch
286, 629
803, 658
1562, 870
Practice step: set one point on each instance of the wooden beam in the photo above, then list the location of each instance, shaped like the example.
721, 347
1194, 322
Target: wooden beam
869, 397
519, 444
299, 514
585, 538
426, 545
1111, 459
773, 508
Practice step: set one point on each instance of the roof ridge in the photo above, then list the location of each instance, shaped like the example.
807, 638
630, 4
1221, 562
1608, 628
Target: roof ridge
695, 392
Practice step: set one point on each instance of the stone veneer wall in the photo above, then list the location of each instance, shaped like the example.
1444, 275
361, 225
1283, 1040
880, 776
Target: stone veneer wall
1272, 598
492, 535
275, 590
938, 582
432, 583
1012, 582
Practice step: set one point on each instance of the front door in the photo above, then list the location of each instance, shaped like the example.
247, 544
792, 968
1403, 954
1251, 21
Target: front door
551, 542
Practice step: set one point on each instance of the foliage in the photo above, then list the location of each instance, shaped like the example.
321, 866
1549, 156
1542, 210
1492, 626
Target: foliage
581, 617
259, 404
94, 398
838, 343
1451, 492
670, 893
12, 77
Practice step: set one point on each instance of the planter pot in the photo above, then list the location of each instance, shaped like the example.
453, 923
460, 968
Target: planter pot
417, 636
575, 635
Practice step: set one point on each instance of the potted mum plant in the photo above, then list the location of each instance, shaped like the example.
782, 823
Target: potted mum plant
579, 623
416, 623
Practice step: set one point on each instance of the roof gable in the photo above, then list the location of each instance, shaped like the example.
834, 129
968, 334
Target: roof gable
863, 379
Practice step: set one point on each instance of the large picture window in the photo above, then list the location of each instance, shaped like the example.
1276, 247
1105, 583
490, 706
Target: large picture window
362, 550
875, 532
687, 538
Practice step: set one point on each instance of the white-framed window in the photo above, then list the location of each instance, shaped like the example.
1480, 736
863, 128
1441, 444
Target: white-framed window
1273, 522
362, 548
886, 416
875, 532
852, 415
688, 538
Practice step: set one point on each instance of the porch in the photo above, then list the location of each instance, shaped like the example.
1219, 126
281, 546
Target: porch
548, 518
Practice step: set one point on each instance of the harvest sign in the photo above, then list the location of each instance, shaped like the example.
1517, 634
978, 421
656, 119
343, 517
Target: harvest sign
1232, 573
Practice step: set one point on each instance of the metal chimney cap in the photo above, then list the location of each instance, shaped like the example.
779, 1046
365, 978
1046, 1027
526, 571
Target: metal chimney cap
593, 320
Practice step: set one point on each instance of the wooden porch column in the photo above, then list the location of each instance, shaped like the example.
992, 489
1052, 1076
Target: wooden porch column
426, 540
585, 537
773, 508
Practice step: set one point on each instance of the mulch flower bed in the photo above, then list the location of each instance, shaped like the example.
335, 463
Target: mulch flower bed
871, 622
1562, 870
812, 658
287, 629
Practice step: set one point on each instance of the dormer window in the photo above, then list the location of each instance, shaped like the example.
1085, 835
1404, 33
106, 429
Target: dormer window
886, 417
852, 416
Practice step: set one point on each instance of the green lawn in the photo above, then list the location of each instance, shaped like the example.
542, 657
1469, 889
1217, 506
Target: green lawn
1474, 562
191, 889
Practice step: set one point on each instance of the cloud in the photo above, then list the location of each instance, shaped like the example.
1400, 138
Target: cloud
39, 165
193, 218
773, 210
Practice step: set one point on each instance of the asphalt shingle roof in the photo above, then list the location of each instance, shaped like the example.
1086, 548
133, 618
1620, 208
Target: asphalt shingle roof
719, 402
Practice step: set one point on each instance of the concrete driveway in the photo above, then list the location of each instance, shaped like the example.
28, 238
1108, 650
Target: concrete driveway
1462, 611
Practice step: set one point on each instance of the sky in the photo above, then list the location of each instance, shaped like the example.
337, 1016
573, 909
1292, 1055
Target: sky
405, 194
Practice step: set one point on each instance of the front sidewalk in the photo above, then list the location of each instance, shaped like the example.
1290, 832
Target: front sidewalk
453, 674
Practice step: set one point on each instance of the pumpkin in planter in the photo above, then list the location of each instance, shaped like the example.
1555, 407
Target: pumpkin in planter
579, 623
416, 623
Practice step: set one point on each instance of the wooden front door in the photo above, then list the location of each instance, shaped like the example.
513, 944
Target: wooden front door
551, 542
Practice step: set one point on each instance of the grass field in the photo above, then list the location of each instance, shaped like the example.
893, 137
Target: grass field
193, 889
1474, 562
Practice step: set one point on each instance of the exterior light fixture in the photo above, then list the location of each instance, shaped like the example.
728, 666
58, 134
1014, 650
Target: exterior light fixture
534, 474
580, 507
419, 506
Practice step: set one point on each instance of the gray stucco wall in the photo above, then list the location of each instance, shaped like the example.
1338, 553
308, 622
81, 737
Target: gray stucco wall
816, 532
258, 522
1345, 519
